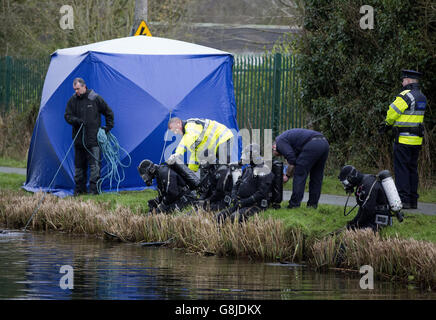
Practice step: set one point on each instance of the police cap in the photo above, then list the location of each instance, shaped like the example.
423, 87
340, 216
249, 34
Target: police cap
412, 74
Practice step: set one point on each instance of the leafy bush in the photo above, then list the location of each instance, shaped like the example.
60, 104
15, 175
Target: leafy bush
15, 132
350, 75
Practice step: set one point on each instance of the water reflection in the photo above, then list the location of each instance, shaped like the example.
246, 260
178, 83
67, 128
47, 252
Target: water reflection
30, 265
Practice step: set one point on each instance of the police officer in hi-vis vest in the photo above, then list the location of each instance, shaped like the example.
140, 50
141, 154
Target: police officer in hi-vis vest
406, 116
207, 140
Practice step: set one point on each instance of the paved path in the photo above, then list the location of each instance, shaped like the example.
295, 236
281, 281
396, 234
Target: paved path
13, 170
425, 208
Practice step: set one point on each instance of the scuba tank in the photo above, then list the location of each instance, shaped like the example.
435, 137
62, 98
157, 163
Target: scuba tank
390, 190
223, 177
236, 170
277, 183
187, 174
207, 179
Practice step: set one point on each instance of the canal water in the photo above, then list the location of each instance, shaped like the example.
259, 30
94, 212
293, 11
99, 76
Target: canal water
30, 265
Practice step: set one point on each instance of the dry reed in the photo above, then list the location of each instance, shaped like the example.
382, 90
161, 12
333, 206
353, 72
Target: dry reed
403, 259
259, 238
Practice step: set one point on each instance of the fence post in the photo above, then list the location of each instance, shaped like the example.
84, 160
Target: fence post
8, 75
2, 84
276, 92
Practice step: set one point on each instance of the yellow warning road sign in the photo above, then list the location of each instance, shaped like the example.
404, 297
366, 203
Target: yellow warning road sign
143, 30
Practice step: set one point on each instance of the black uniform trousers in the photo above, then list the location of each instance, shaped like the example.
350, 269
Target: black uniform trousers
311, 161
406, 171
83, 159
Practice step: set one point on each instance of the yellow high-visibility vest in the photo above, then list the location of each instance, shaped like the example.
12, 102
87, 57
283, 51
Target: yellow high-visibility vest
201, 135
407, 112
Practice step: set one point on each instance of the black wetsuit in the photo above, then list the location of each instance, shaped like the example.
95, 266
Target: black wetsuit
372, 201
174, 193
250, 194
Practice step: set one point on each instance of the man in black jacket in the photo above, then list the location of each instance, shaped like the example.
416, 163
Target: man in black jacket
374, 210
306, 152
83, 112
174, 193
253, 190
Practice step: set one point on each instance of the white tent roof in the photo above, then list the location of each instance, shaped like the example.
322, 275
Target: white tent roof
142, 45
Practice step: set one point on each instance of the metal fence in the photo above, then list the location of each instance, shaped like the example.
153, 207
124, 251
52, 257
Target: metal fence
266, 89
21, 82
267, 92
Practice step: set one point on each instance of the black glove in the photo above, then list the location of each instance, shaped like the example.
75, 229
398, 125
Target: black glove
246, 202
383, 128
399, 216
348, 189
161, 208
235, 200
351, 225
107, 130
165, 200
237, 204
152, 204
79, 122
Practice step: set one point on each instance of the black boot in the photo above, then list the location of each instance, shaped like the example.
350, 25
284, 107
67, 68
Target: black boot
93, 189
407, 205
414, 204
292, 206
310, 205
93, 185
79, 190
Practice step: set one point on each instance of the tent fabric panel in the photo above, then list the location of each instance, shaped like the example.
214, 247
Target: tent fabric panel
58, 70
166, 78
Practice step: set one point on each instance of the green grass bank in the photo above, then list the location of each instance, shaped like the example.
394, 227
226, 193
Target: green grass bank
12, 162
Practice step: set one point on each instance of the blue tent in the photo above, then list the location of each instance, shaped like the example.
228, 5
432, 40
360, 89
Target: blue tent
145, 80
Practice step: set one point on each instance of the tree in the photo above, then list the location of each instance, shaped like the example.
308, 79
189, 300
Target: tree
350, 75
31, 27
141, 13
